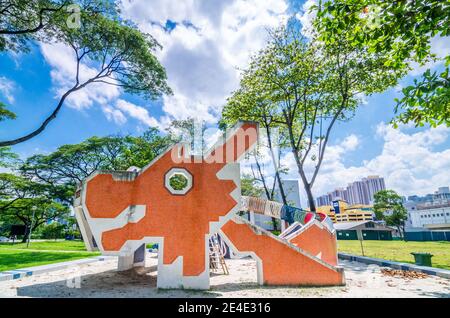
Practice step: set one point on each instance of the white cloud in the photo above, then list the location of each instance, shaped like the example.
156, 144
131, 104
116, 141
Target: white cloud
306, 17
63, 62
114, 115
136, 112
212, 40
202, 54
350, 143
408, 161
7, 88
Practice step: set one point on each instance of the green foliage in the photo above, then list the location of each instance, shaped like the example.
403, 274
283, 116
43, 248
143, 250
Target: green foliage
5, 113
53, 231
388, 206
17, 187
178, 181
20, 195
427, 101
189, 130
24, 21
123, 53
140, 151
70, 164
120, 54
403, 30
7, 157
250, 187
304, 87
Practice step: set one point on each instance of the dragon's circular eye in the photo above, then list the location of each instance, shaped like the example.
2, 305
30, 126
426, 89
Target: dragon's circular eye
178, 181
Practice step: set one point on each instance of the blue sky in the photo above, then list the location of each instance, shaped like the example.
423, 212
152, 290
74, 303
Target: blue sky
204, 43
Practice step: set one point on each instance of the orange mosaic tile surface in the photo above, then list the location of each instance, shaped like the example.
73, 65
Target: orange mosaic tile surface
183, 220
281, 264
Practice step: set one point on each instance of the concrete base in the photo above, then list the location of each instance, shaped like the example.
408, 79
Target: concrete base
126, 262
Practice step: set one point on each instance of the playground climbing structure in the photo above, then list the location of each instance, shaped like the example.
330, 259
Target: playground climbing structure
119, 212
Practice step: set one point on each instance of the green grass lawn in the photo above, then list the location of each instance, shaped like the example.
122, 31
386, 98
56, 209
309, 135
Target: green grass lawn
399, 251
47, 245
40, 253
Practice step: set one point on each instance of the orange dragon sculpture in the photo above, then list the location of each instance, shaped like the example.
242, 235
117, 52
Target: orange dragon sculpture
119, 212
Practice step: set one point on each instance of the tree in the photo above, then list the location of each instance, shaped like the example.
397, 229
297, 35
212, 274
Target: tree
18, 196
305, 88
250, 102
24, 21
388, 206
5, 113
54, 231
69, 165
7, 157
140, 151
14, 188
250, 186
404, 30
427, 101
22, 212
72, 228
189, 130
117, 52
261, 171
73, 163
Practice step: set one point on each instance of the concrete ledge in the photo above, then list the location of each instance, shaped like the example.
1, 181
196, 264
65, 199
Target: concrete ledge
43, 269
396, 265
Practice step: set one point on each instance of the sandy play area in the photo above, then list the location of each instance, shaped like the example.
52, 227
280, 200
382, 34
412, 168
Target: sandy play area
100, 279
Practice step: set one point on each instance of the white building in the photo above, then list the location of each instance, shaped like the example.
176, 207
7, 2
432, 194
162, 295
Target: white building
292, 191
429, 217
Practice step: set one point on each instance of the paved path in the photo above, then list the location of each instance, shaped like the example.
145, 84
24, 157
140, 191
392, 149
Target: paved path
101, 279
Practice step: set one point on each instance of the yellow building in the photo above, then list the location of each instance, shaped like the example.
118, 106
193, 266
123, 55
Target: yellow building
347, 213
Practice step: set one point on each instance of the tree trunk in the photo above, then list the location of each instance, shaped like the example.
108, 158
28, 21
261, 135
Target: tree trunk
275, 166
274, 224
45, 123
400, 232
311, 202
306, 184
27, 231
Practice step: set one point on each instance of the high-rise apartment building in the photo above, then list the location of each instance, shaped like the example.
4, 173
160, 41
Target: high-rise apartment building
374, 185
358, 192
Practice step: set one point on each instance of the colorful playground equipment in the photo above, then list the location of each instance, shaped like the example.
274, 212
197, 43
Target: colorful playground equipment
180, 201
311, 232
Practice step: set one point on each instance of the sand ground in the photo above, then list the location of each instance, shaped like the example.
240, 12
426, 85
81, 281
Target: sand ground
101, 279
